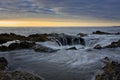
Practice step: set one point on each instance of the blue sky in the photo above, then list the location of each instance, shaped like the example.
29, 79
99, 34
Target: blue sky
80, 9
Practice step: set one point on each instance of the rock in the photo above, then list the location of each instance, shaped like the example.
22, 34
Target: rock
17, 46
98, 47
38, 37
21, 45
3, 48
113, 45
5, 37
26, 45
100, 32
111, 71
63, 39
81, 34
3, 63
40, 48
14, 46
72, 48
18, 75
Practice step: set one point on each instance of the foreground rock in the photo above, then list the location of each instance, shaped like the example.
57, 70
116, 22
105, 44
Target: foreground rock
18, 75
3, 63
40, 48
101, 32
111, 71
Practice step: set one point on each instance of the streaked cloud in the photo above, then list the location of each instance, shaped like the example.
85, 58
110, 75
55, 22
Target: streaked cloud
93, 9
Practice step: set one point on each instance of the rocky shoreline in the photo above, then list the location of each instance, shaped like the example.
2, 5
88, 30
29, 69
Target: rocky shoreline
14, 75
10, 42
111, 70
29, 42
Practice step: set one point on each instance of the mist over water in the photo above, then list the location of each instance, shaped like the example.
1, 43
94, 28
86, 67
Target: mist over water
81, 64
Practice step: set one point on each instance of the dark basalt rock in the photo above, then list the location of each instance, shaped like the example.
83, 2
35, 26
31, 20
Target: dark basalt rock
18, 75
21, 45
111, 71
5, 37
3, 48
24, 76
81, 34
113, 45
63, 39
98, 47
3, 63
101, 32
16, 46
38, 37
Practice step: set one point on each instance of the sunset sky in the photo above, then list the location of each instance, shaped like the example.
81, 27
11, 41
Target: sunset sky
54, 13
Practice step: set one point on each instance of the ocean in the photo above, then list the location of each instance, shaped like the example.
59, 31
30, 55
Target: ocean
81, 64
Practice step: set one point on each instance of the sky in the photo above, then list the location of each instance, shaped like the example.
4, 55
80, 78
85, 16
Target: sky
40, 13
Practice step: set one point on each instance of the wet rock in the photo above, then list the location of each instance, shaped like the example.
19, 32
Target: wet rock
113, 45
63, 39
21, 45
3, 63
111, 71
38, 37
18, 75
98, 47
40, 48
101, 32
14, 46
3, 48
81, 34
72, 48
5, 37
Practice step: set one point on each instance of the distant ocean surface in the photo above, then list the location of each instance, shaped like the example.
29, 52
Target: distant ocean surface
66, 30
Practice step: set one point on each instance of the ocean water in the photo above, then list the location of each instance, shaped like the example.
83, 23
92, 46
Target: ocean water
67, 30
81, 64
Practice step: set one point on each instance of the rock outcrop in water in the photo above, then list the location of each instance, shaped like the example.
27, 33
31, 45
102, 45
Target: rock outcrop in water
81, 34
111, 71
112, 45
17, 46
101, 32
5, 37
14, 75
39, 37
98, 47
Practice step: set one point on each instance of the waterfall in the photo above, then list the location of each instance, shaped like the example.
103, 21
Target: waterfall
69, 40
